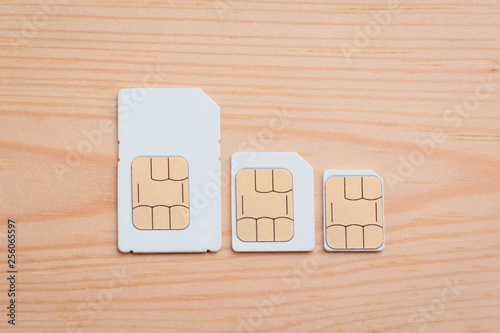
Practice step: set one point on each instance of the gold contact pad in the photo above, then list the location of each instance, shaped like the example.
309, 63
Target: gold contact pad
353, 213
160, 193
264, 205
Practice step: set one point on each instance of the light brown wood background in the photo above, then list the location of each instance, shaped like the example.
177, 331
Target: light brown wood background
283, 77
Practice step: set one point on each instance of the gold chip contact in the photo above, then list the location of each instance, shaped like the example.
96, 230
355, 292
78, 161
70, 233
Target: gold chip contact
264, 205
353, 213
160, 193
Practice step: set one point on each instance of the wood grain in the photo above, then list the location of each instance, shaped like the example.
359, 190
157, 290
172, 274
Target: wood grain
417, 101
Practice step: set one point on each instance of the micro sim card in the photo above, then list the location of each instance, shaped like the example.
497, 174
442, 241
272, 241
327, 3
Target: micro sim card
272, 202
168, 171
353, 204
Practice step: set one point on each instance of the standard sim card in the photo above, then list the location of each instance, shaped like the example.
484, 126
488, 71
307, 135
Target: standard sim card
169, 195
273, 202
353, 210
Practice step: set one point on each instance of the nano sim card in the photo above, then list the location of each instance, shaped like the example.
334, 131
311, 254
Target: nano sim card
169, 171
273, 202
353, 210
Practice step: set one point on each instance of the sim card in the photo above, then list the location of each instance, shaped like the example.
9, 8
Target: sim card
168, 171
353, 210
272, 202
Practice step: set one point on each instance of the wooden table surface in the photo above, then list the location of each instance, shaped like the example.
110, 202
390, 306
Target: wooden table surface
409, 89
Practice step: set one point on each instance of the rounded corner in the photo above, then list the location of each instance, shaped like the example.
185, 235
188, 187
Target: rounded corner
124, 249
381, 247
217, 248
235, 247
122, 91
136, 158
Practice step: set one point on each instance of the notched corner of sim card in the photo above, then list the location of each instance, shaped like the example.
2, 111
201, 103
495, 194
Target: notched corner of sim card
299, 157
200, 91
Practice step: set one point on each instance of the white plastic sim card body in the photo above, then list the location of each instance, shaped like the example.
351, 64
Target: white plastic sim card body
353, 211
168, 171
272, 202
